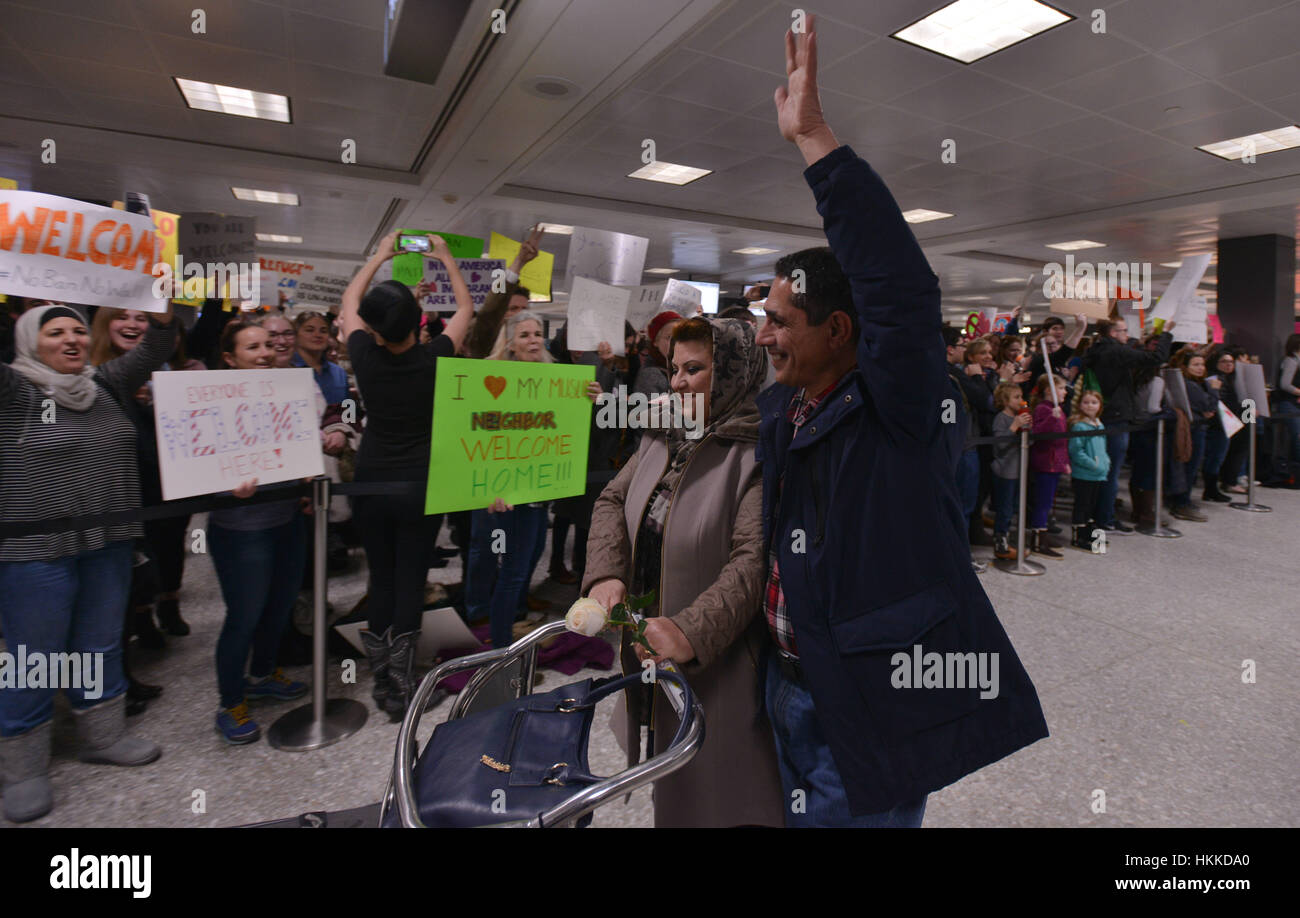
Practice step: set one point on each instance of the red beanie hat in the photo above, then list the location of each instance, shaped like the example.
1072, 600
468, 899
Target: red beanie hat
658, 322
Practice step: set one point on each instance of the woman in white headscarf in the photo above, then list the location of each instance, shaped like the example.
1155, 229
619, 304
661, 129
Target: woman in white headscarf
68, 449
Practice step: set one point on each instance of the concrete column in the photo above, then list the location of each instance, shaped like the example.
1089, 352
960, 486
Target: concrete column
1256, 295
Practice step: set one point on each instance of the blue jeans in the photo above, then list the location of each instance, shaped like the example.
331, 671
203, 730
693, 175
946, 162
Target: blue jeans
1116, 447
1006, 496
494, 592
75, 605
1142, 451
543, 526
1189, 470
968, 481
1288, 414
805, 762
260, 572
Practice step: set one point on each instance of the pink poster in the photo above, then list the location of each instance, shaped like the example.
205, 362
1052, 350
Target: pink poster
1216, 328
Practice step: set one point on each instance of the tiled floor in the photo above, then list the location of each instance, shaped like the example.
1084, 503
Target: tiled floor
1137, 656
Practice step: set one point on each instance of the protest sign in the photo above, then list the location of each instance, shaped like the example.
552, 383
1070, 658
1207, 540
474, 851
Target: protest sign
8, 184
536, 275
682, 298
1231, 423
1192, 326
212, 241
979, 322
408, 268
1250, 385
1176, 387
1181, 289
218, 428
1095, 308
596, 313
1216, 328
611, 258
1002, 323
644, 303
477, 273
62, 249
511, 429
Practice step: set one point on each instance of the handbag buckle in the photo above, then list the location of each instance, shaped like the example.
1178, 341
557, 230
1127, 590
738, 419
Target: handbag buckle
553, 768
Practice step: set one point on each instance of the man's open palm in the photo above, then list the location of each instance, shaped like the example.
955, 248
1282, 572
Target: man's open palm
798, 108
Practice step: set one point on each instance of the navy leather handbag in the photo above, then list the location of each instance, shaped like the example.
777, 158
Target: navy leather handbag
516, 760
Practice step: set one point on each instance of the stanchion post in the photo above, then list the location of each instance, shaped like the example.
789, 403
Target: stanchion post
1250, 481
324, 721
1020, 565
1157, 529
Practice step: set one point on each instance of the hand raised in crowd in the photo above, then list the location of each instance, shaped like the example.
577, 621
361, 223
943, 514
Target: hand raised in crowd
974, 369
606, 354
668, 640
1006, 371
245, 488
609, 592
1022, 377
528, 251
388, 246
798, 105
438, 248
499, 506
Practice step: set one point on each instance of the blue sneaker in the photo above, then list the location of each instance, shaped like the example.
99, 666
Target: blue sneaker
236, 726
276, 686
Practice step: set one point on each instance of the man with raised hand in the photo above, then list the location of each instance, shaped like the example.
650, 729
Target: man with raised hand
890, 676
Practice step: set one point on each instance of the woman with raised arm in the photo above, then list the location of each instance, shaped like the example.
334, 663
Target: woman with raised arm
396, 377
68, 448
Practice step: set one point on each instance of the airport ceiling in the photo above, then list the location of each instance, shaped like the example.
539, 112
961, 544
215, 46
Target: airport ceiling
1069, 135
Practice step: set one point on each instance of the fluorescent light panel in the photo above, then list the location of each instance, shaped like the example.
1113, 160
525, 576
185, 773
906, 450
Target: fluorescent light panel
558, 229
670, 173
1010, 280
921, 215
971, 29
277, 237
754, 250
265, 197
660, 270
1284, 138
1076, 245
231, 100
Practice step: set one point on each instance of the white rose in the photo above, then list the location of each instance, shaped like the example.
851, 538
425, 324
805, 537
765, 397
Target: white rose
586, 616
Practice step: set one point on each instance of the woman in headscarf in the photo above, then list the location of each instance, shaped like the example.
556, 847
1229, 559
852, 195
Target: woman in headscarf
68, 448
684, 519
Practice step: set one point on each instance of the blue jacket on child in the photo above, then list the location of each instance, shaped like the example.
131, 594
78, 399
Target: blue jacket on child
1089, 460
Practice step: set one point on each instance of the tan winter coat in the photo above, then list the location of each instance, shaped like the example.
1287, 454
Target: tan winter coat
711, 585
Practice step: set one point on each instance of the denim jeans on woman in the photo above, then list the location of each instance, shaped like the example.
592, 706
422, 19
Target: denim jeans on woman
1116, 447
1190, 468
1287, 413
496, 592
260, 572
804, 760
71, 605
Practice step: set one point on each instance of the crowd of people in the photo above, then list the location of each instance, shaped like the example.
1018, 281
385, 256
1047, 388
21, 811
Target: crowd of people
786, 550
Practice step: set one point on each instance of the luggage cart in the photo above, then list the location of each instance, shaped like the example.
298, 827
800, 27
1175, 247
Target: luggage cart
399, 796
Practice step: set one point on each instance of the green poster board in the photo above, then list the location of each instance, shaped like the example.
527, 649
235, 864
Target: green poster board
510, 429
408, 268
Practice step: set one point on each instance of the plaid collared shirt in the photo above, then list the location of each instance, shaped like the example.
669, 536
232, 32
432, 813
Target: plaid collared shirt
778, 622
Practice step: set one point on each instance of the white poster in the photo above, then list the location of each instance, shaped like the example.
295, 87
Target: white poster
1182, 288
218, 428
1250, 385
222, 249
1191, 322
611, 258
682, 298
596, 313
644, 303
477, 273
317, 283
1231, 423
54, 248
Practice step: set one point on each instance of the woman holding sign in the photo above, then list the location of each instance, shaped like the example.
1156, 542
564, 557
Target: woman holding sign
68, 448
684, 519
396, 377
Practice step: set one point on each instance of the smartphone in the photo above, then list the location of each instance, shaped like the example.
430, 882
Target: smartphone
413, 243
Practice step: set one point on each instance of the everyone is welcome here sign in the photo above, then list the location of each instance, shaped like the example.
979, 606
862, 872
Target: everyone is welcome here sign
510, 429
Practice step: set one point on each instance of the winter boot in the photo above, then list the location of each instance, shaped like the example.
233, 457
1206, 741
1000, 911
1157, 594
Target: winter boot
1001, 549
1042, 545
376, 646
102, 739
1082, 537
25, 767
146, 632
169, 616
1144, 509
1213, 494
401, 673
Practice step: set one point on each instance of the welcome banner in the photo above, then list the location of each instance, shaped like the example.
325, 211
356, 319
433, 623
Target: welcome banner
55, 248
509, 429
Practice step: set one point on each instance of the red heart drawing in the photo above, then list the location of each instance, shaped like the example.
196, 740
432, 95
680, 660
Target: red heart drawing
495, 384
473, 277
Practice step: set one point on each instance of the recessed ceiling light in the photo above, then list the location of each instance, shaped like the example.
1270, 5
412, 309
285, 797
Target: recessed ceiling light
276, 237
920, 215
558, 229
754, 250
1076, 245
549, 87
1284, 138
660, 270
1171, 264
671, 173
231, 100
968, 30
266, 197
969, 299
1009, 280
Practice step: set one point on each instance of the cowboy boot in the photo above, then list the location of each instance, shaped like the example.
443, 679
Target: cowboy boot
401, 673
25, 767
102, 739
376, 646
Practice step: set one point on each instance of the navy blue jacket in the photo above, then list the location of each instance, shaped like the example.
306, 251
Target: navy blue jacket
886, 561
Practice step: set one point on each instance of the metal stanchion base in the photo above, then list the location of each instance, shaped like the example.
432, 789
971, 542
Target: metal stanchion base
298, 730
1160, 532
1254, 508
1021, 567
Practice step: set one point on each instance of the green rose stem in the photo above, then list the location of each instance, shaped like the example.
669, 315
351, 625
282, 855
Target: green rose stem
621, 616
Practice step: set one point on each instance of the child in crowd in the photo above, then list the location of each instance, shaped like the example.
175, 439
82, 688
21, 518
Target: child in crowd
1048, 460
1090, 465
1011, 418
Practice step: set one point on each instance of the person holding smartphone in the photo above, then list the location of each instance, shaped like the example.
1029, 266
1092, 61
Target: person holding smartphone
396, 377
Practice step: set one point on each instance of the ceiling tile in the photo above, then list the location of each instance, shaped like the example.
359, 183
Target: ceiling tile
1023, 116
105, 80
1244, 43
38, 30
721, 84
761, 42
1270, 80
1161, 24
322, 41
1063, 53
1126, 81
957, 96
1071, 135
1191, 103
199, 60
883, 70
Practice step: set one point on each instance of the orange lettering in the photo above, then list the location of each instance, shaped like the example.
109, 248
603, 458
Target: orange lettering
73, 252
147, 249
57, 217
103, 226
31, 229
